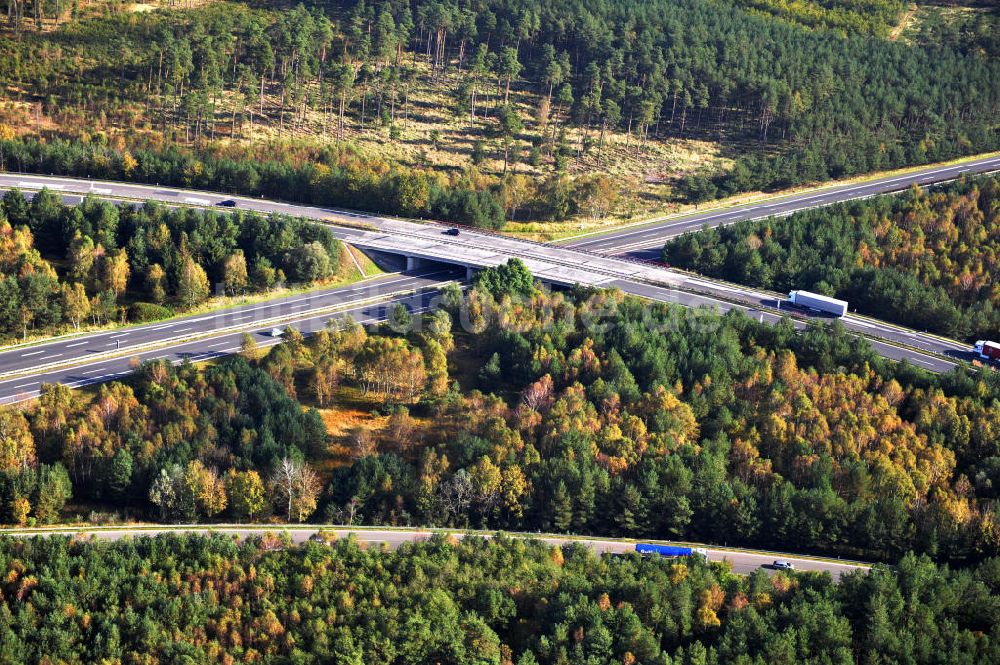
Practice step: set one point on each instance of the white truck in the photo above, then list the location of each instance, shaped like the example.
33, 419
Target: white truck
988, 350
817, 302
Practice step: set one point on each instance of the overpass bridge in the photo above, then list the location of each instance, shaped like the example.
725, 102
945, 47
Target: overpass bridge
422, 242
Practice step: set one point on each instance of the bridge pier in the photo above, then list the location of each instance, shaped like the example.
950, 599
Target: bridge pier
412, 263
470, 272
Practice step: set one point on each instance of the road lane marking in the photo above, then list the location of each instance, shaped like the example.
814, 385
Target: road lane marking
70, 346
33, 353
351, 309
876, 187
38, 185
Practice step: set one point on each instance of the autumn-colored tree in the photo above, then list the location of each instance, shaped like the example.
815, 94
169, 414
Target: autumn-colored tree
248, 346
234, 273
436, 362
192, 283
208, 487
324, 378
390, 366
76, 304
54, 410
81, 259
115, 271
245, 492
156, 278
17, 445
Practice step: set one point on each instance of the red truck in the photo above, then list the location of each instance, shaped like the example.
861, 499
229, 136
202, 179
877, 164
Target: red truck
988, 350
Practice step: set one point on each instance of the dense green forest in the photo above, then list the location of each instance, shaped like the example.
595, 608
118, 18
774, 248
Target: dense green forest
478, 602
591, 413
63, 267
926, 259
537, 86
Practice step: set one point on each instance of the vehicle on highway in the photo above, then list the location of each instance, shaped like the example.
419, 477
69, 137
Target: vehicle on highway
818, 303
451, 232
988, 350
277, 332
228, 203
648, 549
327, 538
781, 564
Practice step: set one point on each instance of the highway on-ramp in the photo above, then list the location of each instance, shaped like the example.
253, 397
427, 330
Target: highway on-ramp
742, 561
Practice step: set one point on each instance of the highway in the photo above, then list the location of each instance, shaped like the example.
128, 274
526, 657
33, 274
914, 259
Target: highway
905, 344
644, 241
426, 241
82, 360
585, 263
742, 561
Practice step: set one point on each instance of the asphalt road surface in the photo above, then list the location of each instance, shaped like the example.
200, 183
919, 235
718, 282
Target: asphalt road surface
920, 349
82, 360
927, 351
743, 562
645, 241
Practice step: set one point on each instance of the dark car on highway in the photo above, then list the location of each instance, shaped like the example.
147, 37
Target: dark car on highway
228, 203
452, 232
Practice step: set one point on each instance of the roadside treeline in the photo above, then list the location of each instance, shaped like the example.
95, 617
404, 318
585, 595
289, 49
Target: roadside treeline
192, 599
674, 423
662, 422
337, 177
926, 259
790, 104
185, 444
98, 262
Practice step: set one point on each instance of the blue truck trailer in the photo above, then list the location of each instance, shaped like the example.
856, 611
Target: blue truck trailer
647, 549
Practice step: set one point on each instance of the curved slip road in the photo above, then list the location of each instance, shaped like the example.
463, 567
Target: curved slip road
742, 561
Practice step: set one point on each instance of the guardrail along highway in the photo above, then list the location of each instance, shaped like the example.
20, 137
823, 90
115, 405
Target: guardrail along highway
80, 360
599, 261
644, 241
